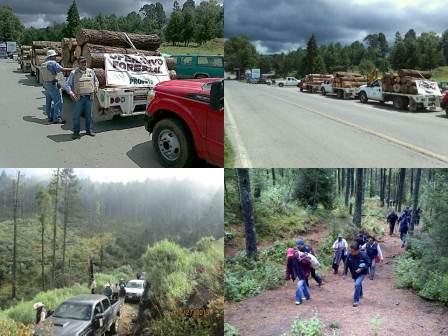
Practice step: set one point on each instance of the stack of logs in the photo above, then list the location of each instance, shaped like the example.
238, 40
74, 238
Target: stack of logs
404, 81
25, 52
68, 52
93, 44
348, 80
316, 79
39, 51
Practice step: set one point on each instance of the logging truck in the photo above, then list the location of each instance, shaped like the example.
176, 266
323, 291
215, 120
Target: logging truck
327, 88
427, 95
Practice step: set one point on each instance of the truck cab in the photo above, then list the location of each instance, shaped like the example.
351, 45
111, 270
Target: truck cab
82, 315
134, 290
326, 87
289, 81
186, 120
199, 66
373, 90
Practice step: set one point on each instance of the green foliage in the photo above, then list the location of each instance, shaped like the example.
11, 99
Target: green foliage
306, 327
246, 277
13, 328
240, 53
230, 330
73, 20
376, 324
314, 187
24, 313
313, 61
10, 26
372, 226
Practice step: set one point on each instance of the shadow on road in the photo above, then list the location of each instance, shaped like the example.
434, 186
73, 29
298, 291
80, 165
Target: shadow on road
62, 137
143, 155
29, 81
443, 116
35, 120
388, 107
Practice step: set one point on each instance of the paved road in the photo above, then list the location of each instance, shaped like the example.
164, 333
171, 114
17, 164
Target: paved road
280, 127
27, 140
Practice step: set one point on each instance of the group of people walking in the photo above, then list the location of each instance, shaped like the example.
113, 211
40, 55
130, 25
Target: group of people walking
81, 85
360, 258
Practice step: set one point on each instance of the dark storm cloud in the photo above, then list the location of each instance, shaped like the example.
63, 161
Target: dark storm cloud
286, 24
43, 12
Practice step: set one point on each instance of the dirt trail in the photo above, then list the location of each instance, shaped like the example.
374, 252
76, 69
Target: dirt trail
126, 325
401, 311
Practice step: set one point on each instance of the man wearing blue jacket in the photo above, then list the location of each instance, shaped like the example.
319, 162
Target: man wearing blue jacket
358, 262
308, 249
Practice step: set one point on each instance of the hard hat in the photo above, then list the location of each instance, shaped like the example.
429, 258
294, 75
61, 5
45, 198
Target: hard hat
51, 53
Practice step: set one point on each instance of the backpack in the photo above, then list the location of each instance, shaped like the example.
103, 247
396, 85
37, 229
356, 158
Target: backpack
314, 262
305, 264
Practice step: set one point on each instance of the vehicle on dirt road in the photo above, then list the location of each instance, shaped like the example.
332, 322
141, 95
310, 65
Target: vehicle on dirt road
288, 81
82, 315
199, 66
134, 290
326, 88
428, 95
186, 120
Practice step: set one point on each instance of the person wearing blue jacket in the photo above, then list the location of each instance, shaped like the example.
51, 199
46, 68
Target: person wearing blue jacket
358, 263
403, 225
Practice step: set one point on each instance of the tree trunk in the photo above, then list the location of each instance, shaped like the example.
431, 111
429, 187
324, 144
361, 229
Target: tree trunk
371, 183
412, 182
388, 188
118, 39
66, 208
347, 188
14, 248
358, 198
401, 188
415, 203
55, 217
42, 241
383, 186
273, 176
246, 203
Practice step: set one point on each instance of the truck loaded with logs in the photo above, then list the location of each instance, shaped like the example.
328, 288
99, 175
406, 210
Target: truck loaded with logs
312, 82
343, 85
407, 88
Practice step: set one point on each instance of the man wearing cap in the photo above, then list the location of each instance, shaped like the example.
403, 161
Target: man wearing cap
41, 312
340, 248
308, 249
50, 68
81, 86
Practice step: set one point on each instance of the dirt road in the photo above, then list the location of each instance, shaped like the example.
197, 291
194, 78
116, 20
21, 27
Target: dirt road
401, 311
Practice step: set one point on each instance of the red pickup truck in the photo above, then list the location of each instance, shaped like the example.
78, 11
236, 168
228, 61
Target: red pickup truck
186, 119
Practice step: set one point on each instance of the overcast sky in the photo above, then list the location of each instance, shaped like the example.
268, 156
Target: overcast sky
208, 177
40, 13
284, 25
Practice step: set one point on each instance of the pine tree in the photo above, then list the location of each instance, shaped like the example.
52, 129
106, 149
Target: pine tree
313, 61
73, 20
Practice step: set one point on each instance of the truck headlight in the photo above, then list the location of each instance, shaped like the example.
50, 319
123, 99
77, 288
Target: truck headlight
151, 96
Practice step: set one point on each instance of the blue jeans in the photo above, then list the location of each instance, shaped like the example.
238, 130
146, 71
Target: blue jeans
358, 288
403, 236
372, 268
302, 290
53, 94
85, 103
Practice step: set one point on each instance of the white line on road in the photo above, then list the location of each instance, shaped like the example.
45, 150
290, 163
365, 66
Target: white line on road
235, 138
407, 145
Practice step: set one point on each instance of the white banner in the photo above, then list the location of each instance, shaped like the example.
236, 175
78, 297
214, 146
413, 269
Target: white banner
134, 70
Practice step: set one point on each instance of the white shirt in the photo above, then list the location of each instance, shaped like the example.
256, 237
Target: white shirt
340, 244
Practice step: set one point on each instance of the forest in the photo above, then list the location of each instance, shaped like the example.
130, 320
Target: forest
425, 51
184, 24
54, 229
267, 210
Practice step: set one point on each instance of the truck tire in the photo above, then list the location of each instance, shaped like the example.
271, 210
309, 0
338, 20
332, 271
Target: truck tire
281, 84
340, 94
173, 143
114, 328
37, 76
400, 102
363, 97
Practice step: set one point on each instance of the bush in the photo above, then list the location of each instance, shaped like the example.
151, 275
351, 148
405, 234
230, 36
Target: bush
230, 330
302, 327
13, 328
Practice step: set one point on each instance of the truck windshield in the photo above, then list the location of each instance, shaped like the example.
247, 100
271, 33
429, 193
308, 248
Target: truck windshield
134, 284
74, 311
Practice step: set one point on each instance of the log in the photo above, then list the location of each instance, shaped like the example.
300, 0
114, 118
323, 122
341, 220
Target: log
414, 73
397, 88
101, 75
171, 63
118, 39
94, 53
46, 44
78, 52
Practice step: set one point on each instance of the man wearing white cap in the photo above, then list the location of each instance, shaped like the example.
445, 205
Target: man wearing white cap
50, 68
41, 312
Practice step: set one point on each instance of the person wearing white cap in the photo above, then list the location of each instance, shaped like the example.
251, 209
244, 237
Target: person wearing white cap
41, 312
50, 68
340, 248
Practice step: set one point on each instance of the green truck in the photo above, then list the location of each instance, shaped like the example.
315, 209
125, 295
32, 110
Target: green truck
199, 66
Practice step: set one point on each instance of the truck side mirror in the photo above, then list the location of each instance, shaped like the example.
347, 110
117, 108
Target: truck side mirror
217, 96
99, 320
